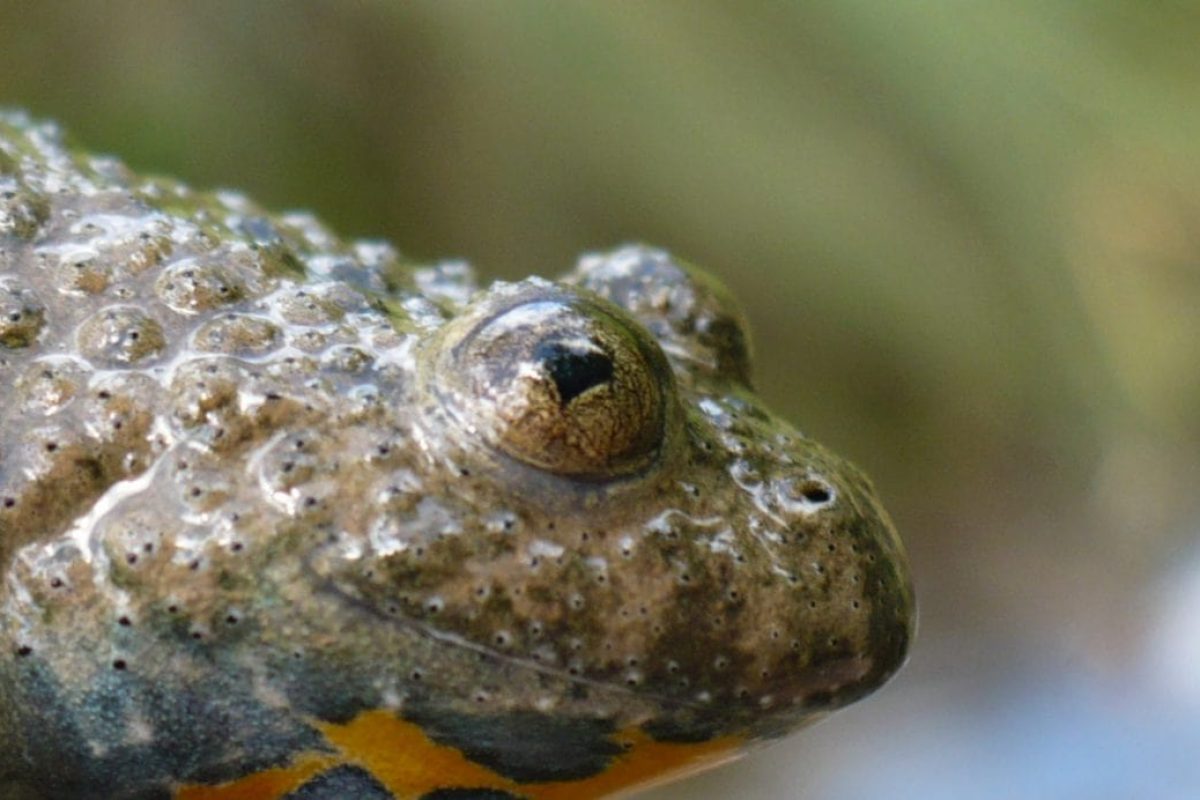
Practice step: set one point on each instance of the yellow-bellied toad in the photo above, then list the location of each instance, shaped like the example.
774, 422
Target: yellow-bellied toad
284, 517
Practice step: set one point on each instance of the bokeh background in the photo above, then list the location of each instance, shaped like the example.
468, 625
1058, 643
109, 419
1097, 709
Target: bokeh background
967, 235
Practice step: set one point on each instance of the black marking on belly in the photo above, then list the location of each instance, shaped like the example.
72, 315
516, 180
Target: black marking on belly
524, 746
470, 794
681, 730
342, 783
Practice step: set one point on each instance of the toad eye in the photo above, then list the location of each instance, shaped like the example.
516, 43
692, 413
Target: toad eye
561, 381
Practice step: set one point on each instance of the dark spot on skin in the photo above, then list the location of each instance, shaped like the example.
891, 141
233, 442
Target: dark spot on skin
573, 372
524, 746
342, 783
470, 794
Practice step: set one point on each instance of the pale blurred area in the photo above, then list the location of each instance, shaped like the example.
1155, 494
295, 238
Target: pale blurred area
967, 235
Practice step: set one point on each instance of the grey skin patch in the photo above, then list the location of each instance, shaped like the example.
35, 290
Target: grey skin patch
470, 794
333, 693
22, 790
526, 747
189, 737
342, 783
19, 791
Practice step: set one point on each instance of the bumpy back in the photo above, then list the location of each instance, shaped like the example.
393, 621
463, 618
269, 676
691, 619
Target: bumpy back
106, 282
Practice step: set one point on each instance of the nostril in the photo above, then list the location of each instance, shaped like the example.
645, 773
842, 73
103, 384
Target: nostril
816, 493
803, 497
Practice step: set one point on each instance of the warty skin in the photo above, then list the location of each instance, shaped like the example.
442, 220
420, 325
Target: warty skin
285, 516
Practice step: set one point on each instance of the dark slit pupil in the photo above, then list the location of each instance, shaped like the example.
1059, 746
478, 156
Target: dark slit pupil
574, 372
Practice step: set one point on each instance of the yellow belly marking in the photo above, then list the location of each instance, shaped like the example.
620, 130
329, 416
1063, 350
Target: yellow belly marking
410, 764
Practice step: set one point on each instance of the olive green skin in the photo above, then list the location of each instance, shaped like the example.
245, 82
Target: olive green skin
235, 498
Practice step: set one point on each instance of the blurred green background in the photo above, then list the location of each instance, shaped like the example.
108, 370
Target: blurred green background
967, 235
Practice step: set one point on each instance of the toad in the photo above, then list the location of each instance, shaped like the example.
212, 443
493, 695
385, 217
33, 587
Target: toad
286, 516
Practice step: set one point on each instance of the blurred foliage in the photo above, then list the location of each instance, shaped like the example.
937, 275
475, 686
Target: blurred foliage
966, 233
